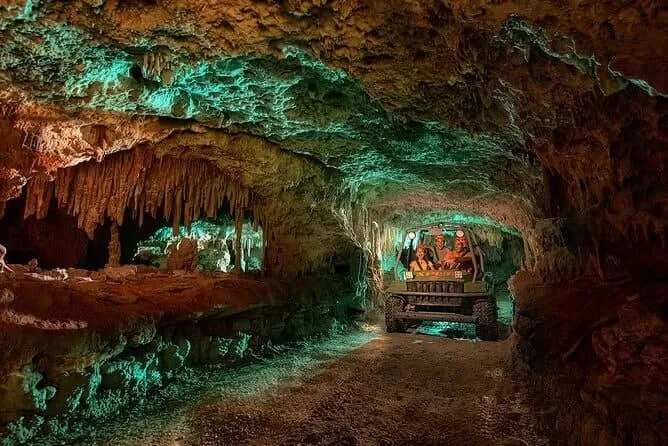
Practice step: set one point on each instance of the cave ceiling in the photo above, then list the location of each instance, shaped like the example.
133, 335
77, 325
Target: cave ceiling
405, 104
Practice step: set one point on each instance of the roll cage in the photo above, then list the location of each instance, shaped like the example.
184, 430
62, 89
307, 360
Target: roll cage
421, 231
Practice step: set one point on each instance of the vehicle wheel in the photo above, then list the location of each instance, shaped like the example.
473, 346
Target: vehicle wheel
486, 327
392, 306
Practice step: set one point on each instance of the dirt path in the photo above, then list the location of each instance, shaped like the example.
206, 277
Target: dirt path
395, 390
354, 388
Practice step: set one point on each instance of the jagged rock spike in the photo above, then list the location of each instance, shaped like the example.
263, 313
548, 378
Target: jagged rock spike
92, 192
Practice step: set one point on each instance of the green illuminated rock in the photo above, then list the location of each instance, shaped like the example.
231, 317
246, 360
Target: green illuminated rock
25, 391
296, 101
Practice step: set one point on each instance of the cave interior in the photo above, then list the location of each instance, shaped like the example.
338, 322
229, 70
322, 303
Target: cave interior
203, 179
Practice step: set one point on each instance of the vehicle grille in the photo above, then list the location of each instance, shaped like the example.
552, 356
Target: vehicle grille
435, 287
437, 301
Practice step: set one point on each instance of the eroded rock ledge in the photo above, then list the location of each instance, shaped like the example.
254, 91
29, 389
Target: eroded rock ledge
87, 344
343, 117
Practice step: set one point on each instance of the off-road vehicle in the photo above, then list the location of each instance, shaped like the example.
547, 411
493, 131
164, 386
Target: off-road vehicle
452, 289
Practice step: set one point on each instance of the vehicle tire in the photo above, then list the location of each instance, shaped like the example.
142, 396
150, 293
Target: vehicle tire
392, 306
486, 327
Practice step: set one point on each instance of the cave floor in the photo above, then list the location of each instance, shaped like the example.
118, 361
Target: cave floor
355, 389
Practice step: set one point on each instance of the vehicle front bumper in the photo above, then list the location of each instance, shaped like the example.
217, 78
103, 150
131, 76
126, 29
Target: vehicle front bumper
435, 316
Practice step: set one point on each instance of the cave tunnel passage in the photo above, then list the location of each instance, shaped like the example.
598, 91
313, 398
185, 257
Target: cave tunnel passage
132, 130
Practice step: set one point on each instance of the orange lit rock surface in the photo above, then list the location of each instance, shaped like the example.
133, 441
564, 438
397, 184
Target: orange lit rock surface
334, 124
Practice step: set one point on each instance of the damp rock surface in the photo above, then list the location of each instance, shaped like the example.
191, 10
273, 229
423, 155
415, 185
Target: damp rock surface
334, 125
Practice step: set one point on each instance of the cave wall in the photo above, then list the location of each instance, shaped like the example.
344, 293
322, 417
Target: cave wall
604, 180
66, 364
600, 348
590, 320
547, 117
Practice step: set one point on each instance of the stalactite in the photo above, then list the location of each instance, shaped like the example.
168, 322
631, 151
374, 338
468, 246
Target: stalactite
389, 237
185, 189
365, 233
238, 232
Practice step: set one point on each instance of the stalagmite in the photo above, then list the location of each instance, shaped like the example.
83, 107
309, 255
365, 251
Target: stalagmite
114, 247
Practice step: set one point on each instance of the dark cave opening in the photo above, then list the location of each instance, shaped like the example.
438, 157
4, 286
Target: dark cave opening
55, 241
131, 233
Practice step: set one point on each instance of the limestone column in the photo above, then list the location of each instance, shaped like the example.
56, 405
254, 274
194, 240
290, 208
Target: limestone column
238, 249
114, 247
264, 262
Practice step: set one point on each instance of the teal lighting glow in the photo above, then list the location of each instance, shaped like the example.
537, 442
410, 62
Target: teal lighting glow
297, 101
450, 216
127, 418
455, 330
523, 37
212, 239
27, 11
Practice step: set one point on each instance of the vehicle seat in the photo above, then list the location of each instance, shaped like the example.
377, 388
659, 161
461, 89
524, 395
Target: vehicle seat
431, 254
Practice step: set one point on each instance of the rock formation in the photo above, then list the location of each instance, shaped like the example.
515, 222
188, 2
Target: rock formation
332, 124
182, 256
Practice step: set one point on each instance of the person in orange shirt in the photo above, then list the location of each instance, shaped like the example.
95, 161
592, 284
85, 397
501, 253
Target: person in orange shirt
462, 255
450, 261
458, 257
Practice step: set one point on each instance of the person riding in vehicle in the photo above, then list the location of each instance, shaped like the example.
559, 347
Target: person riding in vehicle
441, 251
462, 295
421, 263
461, 256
